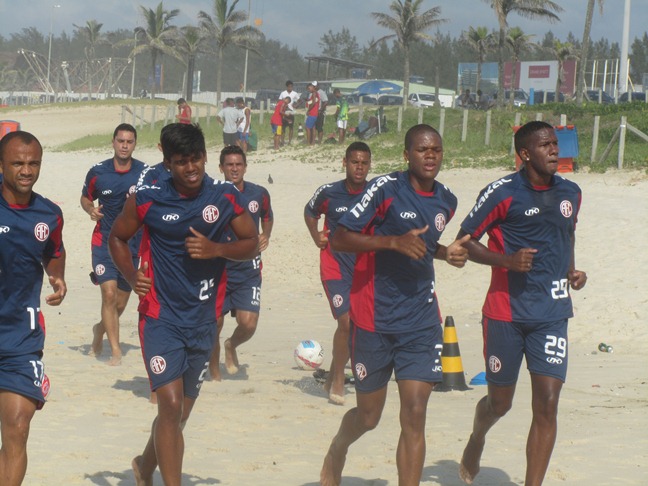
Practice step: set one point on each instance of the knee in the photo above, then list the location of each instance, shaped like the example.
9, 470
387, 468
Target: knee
498, 407
171, 410
16, 427
413, 416
547, 407
368, 420
249, 323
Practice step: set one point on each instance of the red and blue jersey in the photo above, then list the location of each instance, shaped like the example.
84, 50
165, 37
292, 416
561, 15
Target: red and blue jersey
152, 174
256, 199
111, 188
392, 293
29, 235
333, 201
515, 215
185, 291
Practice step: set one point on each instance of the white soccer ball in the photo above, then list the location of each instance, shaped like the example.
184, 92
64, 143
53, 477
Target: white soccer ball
309, 355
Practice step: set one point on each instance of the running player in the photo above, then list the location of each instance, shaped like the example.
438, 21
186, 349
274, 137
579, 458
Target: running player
110, 183
336, 269
243, 296
530, 217
395, 318
180, 284
30, 241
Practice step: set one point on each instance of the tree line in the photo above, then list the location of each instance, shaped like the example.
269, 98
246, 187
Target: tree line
217, 43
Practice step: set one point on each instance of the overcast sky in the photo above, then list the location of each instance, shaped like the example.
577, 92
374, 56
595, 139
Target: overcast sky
301, 23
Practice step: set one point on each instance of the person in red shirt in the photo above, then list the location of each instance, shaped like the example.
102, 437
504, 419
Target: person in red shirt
277, 120
184, 112
312, 112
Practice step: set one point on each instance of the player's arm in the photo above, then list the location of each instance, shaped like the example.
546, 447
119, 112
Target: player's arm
409, 244
266, 232
245, 247
248, 115
55, 269
123, 229
520, 261
455, 254
93, 211
577, 278
319, 237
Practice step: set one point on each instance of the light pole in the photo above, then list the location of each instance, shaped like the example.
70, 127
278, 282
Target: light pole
133, 75
247, 53
49, 52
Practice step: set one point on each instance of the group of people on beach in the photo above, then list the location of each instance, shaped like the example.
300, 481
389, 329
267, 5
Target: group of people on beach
190, 247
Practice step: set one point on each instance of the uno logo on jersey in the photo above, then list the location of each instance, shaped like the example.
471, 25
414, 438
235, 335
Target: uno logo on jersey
439, 222
489, 190
41, 231
170, 217
253, 207
100, 269
408, 215
341, 209
4, 229
107, 192
157, 364
566, 209
211, 214
494, 364
337, 300
532, 211
361, 371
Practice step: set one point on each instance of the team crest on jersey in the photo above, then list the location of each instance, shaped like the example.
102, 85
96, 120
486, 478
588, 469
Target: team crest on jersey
361, 371
211, 214
494, 364
338, 300
440, 222
157, 364
566, 208
253, 207
41, 231
100, 269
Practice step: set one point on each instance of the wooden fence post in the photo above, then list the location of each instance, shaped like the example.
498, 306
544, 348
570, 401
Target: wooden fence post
400, 119
464, 127
595, 137
488, 128
441, 121
622, 136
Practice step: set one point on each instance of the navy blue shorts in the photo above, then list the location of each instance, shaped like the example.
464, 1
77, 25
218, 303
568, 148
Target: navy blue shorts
105, 270
171, 352
24, 375
337, 293
243, 295
543, 345
412, 356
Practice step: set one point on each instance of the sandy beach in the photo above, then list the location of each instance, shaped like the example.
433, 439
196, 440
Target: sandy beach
271, 424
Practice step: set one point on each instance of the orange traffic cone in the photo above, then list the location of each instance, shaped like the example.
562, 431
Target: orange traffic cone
453, 374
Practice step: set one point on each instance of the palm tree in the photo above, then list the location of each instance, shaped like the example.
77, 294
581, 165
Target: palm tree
91, 33
159, 36
224, 28
409, 25
580, 83
482, 42
562, 51
532, 9
191, 42
519, 42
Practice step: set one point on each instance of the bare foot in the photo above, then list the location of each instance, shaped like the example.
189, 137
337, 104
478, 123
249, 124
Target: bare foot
331, 474
336, 399
231, 360
97, 341
469, 465
114, 361
139, 480
214, 372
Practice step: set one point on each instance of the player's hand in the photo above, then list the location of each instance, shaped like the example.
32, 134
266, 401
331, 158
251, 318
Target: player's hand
411, 244
142, 282
577, 279
456, 253
522, 260
322, 239
263, 242
60, 289
199, 246
96, 214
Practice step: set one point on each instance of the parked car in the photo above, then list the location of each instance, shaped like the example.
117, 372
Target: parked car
366, 100
632, 96
390, 100
539, 97
421, 99
593, 95
520, 97
263, 95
